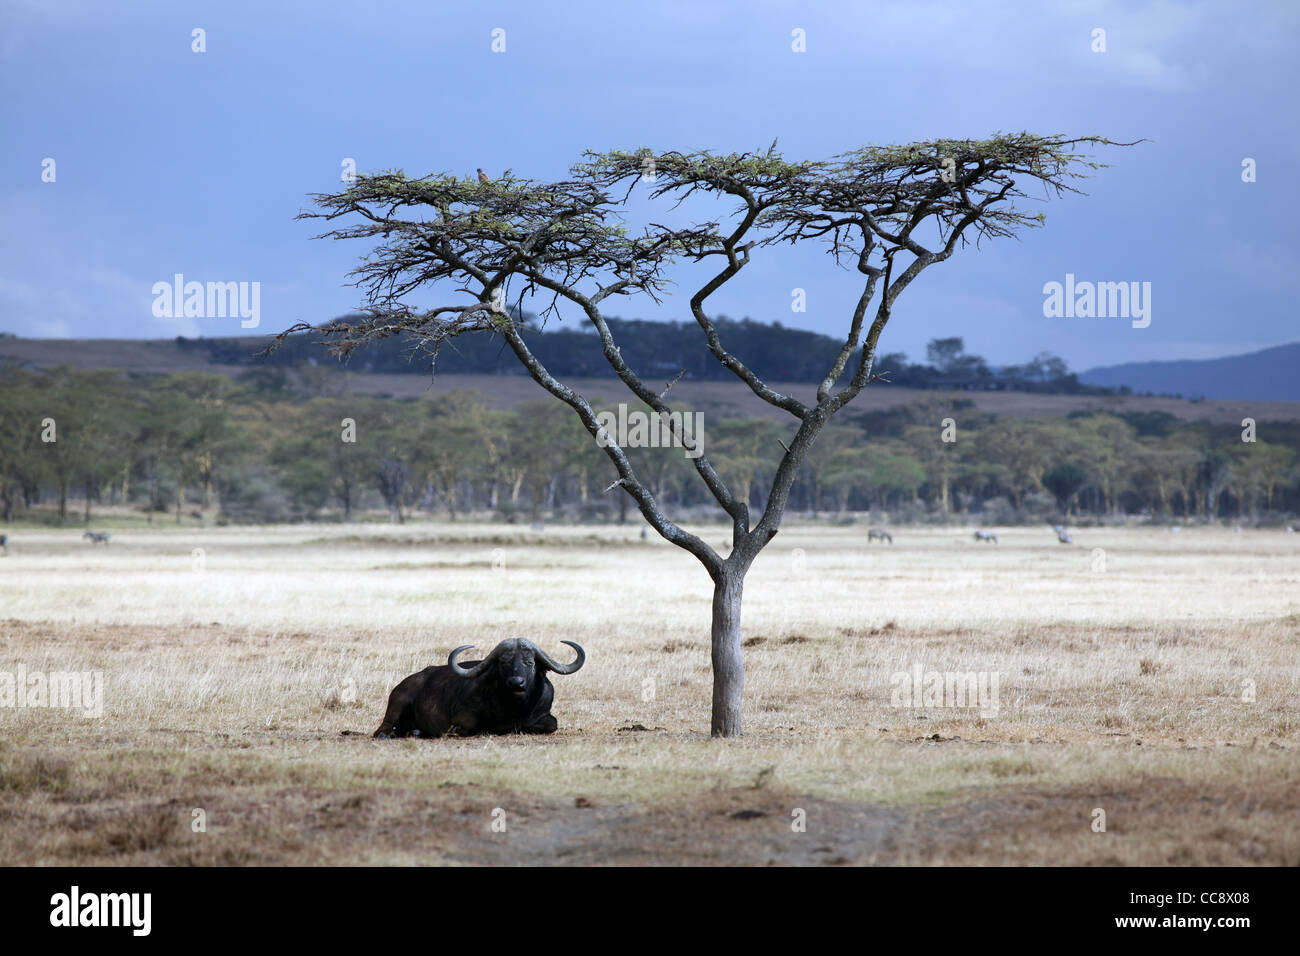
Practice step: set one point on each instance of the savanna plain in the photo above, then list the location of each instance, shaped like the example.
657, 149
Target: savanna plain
1148, 698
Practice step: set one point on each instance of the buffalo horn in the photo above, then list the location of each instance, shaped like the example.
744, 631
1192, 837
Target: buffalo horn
555, 665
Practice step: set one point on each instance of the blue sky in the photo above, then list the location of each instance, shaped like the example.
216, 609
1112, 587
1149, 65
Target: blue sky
173, 161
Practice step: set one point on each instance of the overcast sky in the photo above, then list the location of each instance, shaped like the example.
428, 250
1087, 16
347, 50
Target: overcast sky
171, 161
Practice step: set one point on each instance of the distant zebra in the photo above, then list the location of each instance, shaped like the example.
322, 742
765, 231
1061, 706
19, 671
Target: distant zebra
97, 537
1062, 535
986, 536
881, 533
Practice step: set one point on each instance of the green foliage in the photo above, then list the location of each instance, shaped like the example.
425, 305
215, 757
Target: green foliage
271, 449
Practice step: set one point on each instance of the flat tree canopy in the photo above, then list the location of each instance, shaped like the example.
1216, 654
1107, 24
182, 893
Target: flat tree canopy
887, 212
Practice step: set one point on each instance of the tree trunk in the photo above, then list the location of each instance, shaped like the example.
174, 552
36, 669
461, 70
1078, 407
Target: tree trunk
728, 664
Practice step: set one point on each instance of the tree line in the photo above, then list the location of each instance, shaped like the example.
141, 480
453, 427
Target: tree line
273, 447
662, 349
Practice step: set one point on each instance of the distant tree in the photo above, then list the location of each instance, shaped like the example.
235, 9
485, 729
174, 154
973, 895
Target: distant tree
21, 462
453, 443
543, 449
1026, 449
1182, 459
1151, 474
347, 459
1214, 475
939, 459
197, 431
892, 362
103, 433
270, 379
665, 475
890, 212
744, 449
304, 469
833, 439
1065, 480
891, 472
846, 475
1107, 444
944, 354
391, 477
1052, 367
1270, 464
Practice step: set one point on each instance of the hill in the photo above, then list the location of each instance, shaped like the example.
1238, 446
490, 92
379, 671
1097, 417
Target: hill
1268, 375
727, 398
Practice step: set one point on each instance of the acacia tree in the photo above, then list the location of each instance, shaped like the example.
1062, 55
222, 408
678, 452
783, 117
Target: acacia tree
887, 212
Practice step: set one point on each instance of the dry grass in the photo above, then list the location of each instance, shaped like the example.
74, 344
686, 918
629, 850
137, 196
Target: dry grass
230, 679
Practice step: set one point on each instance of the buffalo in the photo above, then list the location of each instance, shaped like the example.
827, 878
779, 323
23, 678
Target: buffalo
881, 533
505, 693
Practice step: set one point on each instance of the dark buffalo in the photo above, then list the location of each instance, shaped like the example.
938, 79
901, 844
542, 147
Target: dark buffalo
505, 693
881, 533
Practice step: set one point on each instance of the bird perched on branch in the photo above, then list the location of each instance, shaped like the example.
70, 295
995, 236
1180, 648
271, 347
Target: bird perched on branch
483, 177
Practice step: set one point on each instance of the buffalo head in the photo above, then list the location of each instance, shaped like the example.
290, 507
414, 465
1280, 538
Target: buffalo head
516, 662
